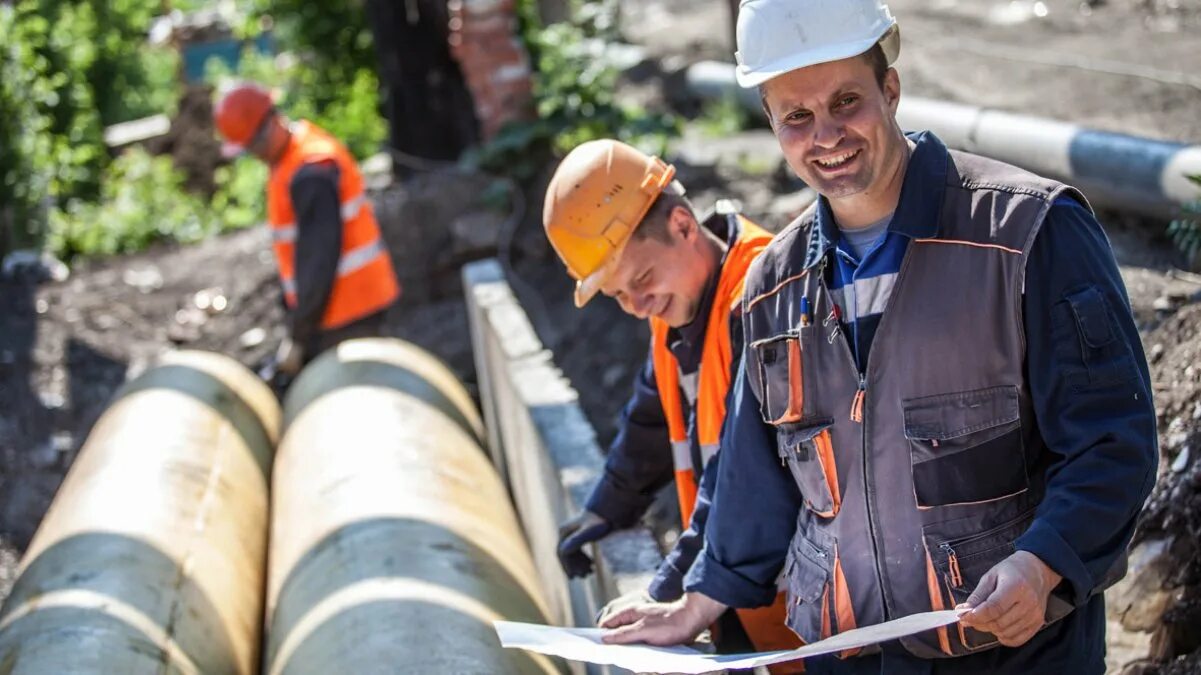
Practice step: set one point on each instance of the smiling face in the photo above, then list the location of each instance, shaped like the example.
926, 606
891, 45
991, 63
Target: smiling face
664, 274
836, 125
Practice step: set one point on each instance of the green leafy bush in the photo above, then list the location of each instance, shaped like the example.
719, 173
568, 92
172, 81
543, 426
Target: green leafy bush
1186, 231
143, 202
241, 198
67, 69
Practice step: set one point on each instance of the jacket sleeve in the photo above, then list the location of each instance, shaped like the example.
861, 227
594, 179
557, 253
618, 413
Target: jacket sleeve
639, 462
753, 512
1092, 399
668, 583
314, 194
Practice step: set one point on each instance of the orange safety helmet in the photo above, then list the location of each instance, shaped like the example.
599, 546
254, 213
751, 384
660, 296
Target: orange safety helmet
599, 194
240, 114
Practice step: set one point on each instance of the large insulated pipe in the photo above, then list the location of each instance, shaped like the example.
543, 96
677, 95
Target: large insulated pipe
1116, 170
393, 542
152, 556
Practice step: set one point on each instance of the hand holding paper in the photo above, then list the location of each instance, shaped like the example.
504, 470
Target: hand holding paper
585, 644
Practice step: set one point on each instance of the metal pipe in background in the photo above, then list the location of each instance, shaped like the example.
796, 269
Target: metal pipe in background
394, 544
151, 558
1129, 173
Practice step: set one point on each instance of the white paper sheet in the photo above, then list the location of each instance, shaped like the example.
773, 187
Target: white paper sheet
584, 644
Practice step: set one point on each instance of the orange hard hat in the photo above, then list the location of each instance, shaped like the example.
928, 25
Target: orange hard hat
599, 194
239, 115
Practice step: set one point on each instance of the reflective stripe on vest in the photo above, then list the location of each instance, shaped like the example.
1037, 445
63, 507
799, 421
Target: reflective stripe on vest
365, 281
286, 233
712, 379
351, 262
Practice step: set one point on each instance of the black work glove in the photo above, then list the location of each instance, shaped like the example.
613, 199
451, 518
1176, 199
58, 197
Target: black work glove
573, 535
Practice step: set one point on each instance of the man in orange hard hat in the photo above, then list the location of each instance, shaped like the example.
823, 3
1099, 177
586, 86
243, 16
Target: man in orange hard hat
623, 227
334, 267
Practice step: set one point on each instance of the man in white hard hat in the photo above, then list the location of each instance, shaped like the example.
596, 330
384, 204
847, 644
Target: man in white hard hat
943, 400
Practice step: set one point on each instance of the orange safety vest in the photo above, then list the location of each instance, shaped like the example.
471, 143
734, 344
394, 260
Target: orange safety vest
765, 626
365, 282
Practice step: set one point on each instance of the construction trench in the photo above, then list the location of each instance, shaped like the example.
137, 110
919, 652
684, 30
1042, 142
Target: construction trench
361, 527
68, 346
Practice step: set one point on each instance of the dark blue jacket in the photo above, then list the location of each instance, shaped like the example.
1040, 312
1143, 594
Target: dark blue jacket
639, 462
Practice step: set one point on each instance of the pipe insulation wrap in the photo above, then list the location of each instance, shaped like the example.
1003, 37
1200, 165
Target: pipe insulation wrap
394, 544
151, 557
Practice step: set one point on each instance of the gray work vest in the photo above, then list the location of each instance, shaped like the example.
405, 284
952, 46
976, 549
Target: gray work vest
918, 477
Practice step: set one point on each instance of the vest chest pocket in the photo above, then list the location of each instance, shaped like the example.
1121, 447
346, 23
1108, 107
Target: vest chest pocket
966, 447
777, 378
809, 456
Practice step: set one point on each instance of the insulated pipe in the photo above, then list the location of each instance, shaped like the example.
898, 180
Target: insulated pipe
394, 544
152, 556
1115, 170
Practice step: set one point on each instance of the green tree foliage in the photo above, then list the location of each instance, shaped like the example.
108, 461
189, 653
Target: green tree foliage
67, 69
131, 79
143, 201
330, 76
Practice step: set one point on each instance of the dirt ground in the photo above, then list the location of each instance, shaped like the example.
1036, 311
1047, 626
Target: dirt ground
65, 347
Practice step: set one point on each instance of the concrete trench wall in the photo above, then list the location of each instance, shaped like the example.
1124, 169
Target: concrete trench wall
546, 451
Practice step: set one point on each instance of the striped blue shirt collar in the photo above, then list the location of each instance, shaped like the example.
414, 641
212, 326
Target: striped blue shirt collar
917, 213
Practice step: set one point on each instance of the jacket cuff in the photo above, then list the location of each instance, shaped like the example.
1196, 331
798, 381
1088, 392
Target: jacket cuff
619, 507
1043, 541
668, 584
710, 578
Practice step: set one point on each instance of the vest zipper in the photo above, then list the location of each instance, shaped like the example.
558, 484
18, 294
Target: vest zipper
861, 395
952, 565
857, 403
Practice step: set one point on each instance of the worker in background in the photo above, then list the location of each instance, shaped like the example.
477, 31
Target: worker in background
623, 227
334, 267
943, 401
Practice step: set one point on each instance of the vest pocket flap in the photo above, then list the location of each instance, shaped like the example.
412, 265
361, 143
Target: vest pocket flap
1092, 317
949, 416
809, 456
790, 436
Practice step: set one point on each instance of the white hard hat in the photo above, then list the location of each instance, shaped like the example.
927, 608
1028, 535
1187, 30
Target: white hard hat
778, 36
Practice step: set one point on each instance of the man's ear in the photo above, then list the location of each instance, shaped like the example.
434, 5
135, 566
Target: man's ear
892, 89
681, 224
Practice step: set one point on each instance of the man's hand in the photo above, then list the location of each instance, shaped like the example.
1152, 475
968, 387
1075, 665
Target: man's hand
289, 357
633, 599
573, 535
1011, 600
663, 624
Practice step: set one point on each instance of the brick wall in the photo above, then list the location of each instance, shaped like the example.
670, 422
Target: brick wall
483, 39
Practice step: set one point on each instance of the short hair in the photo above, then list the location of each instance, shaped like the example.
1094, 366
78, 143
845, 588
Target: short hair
654, 223
874, 57
878, 61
